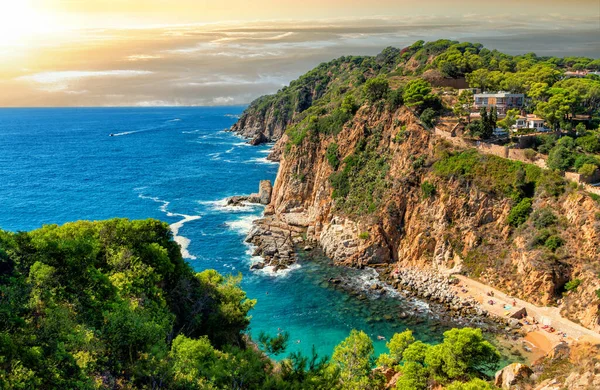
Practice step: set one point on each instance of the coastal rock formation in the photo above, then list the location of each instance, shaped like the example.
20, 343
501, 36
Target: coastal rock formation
371, 185
572, 368
263, 196
462, 227
511, 375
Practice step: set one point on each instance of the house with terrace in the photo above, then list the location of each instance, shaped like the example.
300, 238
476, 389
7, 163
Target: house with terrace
503, 101
530, 122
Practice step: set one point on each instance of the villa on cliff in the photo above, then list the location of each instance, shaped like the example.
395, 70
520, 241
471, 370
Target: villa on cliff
531, 122
503, 101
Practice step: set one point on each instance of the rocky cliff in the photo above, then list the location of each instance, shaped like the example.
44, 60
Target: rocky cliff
460, 225
376, 188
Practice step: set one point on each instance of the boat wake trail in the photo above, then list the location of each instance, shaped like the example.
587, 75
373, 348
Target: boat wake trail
183, 242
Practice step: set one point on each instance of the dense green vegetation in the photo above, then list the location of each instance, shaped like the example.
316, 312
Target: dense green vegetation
98, 305
360, 184
463, 358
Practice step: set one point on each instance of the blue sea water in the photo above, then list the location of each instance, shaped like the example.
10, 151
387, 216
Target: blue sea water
178, 165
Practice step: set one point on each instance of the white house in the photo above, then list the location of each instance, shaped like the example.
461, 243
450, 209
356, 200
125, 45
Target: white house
532, 122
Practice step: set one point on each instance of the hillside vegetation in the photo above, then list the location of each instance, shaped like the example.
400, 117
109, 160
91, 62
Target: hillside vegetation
112, 305
367, 176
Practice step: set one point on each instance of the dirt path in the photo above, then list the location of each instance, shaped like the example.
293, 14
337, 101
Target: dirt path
506, 306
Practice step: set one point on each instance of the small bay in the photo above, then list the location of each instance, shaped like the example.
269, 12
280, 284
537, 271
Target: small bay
179, 165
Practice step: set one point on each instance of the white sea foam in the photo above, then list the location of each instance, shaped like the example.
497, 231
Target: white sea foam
222, 206
268, 270
183, 242
232, 116
174, 120
262, 160
282, 273
242, 225
126, 133
191, 131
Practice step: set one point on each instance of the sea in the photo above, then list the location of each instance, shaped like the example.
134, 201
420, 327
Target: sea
179, 165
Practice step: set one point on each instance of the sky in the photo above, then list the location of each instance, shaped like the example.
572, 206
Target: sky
199, 52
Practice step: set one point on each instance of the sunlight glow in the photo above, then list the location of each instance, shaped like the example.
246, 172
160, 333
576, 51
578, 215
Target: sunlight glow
20, 21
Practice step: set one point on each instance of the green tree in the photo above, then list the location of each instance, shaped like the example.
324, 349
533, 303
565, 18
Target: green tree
509, 120
398, 344
555, 109
588, 170
332, 156
414, 377
417, 93
560, 158
463, 105
520, 212
354, 358
463, 355
428, 117
376, 89
473, 384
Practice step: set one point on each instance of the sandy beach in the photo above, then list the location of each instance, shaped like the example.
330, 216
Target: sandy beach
544, 326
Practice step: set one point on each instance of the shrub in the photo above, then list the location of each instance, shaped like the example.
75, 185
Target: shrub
551, 184
560, 158
364, 236
358, 188
400, 135
519, 213
428, 117
587, 170
543, 218
572, 285
394, 99
530, 154
332, 156
554, 242
541, 238
419, 162
376, 89
428, 189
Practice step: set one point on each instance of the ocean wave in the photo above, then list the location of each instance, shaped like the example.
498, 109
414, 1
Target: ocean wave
242, 225
174, 120
235, 116
269, 271
183, 242
192, 131
262, 160
221, 205
215, 156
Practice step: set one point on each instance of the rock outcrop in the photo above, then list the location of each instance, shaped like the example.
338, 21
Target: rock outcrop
265, 189
510, 376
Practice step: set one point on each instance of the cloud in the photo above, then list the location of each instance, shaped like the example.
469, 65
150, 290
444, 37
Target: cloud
221, 100
234, 63
59, 81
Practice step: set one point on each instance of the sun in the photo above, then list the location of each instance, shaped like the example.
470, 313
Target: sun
20, 21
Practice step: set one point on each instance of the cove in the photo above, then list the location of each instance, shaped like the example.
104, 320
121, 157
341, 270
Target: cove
179, 165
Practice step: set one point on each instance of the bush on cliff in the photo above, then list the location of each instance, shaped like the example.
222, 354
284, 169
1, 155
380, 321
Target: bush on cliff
520, 213
358, 188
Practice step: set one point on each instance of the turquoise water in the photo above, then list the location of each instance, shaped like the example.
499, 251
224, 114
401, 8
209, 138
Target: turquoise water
177, 165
